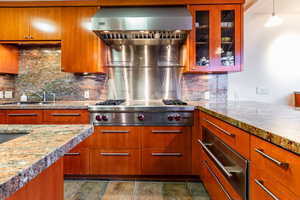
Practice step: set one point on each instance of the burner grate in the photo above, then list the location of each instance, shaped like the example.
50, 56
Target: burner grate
174, 102
111, 102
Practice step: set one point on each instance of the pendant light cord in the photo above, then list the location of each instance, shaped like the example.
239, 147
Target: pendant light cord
273, 13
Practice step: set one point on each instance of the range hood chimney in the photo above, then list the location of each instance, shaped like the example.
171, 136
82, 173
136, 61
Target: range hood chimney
142, 19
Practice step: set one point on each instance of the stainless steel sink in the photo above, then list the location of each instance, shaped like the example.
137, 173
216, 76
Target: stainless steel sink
5, 137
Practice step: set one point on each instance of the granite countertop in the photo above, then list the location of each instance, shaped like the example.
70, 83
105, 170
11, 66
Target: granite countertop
23, 158
57, 105
277, 124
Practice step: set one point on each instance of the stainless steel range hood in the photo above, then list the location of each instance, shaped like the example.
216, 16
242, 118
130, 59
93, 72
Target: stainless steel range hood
142, 19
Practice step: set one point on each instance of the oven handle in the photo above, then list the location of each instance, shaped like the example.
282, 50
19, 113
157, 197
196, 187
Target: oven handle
217, 180
223, 168
261, 184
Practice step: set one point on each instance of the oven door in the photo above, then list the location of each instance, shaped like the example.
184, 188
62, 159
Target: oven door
231, 164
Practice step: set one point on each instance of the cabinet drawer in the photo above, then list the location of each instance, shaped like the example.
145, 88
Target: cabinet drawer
24, 116
164, 162
162, 137
232, 136
115, 162
281, 165
216, 174
77, 161
66, 116
267, 189
115, 137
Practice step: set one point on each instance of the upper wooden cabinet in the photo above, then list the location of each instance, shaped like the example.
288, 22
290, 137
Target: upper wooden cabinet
216, 39
9, 60
81, 48
30, 24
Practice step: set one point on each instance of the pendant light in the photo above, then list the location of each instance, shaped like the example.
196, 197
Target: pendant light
274, 20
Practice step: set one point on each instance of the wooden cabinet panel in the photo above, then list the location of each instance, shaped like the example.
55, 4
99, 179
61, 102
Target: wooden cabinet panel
9, 59
232, 136
170, 138
66, 116
3, 117
196, 149
166, 162
81, 48
15, 23
45, 24
267, 189
77, 161
115, 137
266, 159
115, 162
24, 116
48, 185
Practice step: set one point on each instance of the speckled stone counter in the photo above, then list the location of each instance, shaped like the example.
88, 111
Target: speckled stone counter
68, 105
25, 157
277, 124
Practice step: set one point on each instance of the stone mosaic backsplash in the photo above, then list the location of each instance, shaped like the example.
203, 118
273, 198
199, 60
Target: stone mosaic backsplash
40, 70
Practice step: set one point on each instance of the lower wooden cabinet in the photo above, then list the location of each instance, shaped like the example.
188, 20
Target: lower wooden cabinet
24, 116
66, 117
115, 162
165, 162
77, 161
3, 117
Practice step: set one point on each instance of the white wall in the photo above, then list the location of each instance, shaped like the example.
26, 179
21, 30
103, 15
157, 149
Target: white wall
272, 55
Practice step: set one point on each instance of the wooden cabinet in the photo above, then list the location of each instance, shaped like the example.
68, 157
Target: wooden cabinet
115, 137
66, 116
9, 59
232, 136
271, 164
3, 117
115, 162
215, 42
30, 24
24, 116
48, 185
81, 48
77, 161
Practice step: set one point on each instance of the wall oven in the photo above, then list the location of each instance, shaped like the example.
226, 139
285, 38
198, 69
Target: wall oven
231, 164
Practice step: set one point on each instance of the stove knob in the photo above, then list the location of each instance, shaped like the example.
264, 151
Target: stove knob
170, 118
177, 117
104, 118
141, 117
98, 117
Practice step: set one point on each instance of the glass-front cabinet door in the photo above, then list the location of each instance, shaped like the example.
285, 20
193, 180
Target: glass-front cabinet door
216, 39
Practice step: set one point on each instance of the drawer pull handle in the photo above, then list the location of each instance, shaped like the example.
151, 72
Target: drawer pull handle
65, 114
277, 162
114, 131
114, 154
167, 131
167, 154
261, 184
217, 180
23, 115
72, 154
216, 160
219, 128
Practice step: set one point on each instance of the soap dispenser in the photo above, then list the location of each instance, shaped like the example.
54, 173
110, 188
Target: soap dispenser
23, 97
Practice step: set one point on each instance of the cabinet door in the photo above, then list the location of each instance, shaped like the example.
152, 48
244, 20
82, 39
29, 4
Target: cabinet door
81, 48
76, 162
24, 116
14, 23
2, 117
216, 38
45, 24
9, 59
66, 116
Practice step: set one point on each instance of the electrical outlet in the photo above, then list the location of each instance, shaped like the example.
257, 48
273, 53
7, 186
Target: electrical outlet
262, 91
8, 94
1, 95
86, 94
206, 95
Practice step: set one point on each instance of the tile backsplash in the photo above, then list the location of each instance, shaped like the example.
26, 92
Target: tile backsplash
40, 70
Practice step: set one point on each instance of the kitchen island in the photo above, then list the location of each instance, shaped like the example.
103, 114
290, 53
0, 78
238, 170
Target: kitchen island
25, 158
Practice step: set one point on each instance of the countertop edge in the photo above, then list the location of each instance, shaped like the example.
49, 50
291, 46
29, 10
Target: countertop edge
17, 182
273, 138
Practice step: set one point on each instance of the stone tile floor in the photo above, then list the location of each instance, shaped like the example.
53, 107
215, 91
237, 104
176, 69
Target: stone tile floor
133, 190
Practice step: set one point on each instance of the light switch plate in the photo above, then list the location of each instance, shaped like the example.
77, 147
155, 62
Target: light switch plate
86, 94
8, 94
1, 95
262, 91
